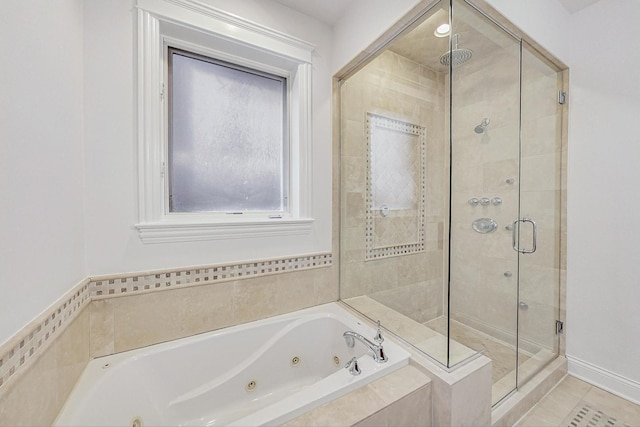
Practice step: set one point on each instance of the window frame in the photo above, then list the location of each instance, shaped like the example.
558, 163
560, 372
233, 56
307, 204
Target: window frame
203, 30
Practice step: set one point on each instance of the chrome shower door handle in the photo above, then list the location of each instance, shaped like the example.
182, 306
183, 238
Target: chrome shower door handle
514, 236
534, 236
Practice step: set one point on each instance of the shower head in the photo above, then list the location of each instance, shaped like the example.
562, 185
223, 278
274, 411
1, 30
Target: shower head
456, 56
482, 126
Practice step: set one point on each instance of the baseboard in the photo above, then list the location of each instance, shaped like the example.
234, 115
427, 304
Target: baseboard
607, 380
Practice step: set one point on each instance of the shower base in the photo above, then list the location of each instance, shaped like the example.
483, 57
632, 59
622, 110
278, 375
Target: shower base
502, 354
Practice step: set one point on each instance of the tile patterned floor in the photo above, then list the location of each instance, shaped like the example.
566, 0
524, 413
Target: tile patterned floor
575, 403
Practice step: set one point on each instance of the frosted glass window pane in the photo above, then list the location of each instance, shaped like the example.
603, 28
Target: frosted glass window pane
395, 169
227, 138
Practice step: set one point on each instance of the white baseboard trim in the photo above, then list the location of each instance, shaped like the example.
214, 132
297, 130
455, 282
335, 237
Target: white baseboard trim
607, 380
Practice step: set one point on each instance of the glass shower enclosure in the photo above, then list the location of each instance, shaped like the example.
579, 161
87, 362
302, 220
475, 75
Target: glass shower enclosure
451, 192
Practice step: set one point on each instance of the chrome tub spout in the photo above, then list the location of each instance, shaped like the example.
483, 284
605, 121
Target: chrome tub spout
377, 349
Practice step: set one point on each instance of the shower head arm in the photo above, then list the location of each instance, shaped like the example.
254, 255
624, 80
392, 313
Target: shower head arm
455, 40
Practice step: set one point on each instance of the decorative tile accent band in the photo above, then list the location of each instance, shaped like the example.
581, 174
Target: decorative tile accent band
126, 284
17, 353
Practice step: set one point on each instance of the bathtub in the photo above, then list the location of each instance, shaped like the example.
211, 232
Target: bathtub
261, 373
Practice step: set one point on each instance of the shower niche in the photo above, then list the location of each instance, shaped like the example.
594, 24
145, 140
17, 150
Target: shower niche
457, 107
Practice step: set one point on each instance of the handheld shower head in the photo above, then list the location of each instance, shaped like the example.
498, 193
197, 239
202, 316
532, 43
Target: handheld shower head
482, 126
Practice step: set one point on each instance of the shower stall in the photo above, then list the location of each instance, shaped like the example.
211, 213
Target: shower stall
452, 191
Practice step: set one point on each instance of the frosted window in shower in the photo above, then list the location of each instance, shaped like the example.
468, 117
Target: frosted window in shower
396, 187
395, 167
227, 149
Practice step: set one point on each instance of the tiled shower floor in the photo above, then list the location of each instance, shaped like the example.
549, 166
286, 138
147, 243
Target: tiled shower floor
502, 355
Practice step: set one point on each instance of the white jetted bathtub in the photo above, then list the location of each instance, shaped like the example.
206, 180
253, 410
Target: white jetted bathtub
261, 373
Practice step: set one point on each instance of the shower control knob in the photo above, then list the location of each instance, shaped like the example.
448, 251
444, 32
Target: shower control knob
485, 201
496, 201
508, 274
474, 202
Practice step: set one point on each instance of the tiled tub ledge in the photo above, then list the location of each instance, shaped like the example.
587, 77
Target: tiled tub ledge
461, 396
401, 398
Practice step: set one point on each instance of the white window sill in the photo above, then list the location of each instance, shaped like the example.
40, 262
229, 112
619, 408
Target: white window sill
181, 231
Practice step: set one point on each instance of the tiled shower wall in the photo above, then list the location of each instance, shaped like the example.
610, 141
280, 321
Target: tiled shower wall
398, 88
483, 295
106, 315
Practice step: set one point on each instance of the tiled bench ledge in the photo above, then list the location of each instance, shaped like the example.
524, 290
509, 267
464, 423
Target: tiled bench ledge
461, 396
399, 399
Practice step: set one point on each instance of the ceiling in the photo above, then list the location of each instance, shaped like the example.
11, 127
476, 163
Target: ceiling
330, 11
574, 6
327, 11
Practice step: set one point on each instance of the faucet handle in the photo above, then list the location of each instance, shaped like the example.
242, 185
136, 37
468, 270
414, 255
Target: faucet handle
353, 367
378, 338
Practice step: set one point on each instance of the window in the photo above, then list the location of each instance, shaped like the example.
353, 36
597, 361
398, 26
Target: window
224, 126
228, 142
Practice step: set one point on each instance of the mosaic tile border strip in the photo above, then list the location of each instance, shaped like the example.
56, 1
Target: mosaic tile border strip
372, 252
18, 353
141, 282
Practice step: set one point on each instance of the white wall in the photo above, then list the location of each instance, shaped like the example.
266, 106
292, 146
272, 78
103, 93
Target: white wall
546, 21
362, 23
113, 245
603, 295
41, 236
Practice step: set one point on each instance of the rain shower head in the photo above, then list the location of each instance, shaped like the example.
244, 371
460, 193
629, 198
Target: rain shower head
456, 56
482, 126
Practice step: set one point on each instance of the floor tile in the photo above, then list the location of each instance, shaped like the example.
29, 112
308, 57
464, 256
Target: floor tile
576, 402
617, 407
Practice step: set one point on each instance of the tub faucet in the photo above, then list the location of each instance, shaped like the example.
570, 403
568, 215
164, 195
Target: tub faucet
377, 349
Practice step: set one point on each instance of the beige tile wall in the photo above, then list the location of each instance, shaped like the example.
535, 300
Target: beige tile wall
36, 394
93, 321
128, 322
395, 87
485, 87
